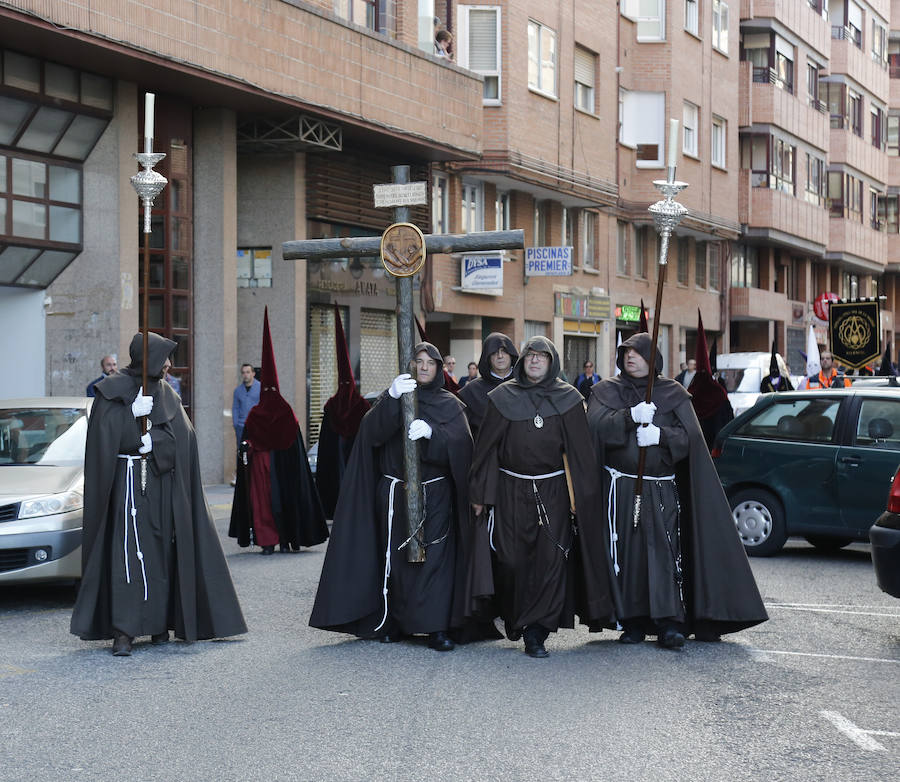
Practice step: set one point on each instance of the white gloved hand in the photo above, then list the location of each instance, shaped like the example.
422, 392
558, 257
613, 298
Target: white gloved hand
142, 405
418, 429
642, 413
402, 384
647, 435
147, 444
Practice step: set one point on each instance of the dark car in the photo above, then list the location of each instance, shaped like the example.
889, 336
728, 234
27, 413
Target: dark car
885, 538
811, 463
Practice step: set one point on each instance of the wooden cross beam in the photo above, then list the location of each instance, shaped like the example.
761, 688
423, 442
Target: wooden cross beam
355, 247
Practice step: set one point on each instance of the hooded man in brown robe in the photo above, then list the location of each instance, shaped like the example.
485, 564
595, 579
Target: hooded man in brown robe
498, 357
518, 488
367, 586
682, 569
151, 561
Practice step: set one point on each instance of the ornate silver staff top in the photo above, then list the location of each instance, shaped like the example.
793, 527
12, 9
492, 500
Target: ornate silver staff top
668, 212
148, 183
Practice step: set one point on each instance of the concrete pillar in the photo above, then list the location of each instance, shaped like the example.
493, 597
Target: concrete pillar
92, 307
271, 192
215, 286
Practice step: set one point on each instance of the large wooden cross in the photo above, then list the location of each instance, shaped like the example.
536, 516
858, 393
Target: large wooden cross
321, 249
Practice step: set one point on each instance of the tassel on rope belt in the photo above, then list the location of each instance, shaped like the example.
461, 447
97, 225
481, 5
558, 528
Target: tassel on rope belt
390, 523
129, 509
543, 517
611, 508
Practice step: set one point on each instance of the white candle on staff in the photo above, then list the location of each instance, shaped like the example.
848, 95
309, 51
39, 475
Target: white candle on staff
673, 141
148, 115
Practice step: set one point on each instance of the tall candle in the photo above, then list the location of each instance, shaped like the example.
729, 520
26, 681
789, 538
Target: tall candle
148, 114
673, 141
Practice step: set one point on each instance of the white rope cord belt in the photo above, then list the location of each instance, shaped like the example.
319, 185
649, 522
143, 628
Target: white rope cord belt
129, 508
543, 518
611, 508
390, 524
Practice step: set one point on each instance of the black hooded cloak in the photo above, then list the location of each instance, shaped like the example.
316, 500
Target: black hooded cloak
526, 429
684, 563
475, 392
188, 586
365, 593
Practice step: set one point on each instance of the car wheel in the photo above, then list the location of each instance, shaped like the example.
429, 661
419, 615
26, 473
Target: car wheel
759, 520
828, 544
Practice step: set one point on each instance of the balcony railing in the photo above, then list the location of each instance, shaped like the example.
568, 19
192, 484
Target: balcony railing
841, 33
770, 76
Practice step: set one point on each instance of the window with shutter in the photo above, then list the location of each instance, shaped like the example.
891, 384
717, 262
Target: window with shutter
479, 51
585, 67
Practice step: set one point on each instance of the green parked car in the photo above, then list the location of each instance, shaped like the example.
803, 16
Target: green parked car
812, 463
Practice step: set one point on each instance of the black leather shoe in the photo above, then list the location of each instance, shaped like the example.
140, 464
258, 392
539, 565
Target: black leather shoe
535, 648
632, 635
440, 643
160, 638
121, 645
707, 636
670, 638
267, 550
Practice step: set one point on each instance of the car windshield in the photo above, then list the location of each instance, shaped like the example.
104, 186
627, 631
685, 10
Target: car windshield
799, 419
741, 379
43, 435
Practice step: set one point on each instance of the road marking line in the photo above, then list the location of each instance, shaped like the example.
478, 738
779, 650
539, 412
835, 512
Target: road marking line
857, 735
822, 605
832, 611
882, 733
757, 652
12, 670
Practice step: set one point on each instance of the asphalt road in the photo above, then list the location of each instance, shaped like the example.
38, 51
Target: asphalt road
813, 694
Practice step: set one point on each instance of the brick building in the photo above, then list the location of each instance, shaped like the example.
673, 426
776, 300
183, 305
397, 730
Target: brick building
278, 117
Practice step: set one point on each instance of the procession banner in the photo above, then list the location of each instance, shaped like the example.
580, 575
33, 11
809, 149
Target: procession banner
855, 334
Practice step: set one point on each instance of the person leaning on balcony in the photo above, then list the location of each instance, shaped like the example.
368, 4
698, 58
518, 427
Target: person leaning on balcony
443, 40
828, 377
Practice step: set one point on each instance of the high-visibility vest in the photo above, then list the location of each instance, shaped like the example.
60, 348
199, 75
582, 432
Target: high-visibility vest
833, 379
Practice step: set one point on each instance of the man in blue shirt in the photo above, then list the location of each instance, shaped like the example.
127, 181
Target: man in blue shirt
246, 396
108, 366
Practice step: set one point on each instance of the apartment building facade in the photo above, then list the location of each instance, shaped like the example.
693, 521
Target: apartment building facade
276, 120
816, 200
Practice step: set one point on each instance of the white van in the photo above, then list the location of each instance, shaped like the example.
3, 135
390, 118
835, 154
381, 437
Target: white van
742, 373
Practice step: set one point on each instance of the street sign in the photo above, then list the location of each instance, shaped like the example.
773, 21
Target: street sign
402, 249
548, 261
410, 194
482, 272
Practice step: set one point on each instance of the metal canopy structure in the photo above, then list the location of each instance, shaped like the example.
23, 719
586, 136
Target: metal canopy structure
299, 131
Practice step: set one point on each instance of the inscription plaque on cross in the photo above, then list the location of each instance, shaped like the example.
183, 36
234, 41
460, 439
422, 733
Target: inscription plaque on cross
403, 249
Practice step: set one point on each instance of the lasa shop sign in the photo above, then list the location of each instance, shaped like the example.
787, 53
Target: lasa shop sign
548, 261
482, 272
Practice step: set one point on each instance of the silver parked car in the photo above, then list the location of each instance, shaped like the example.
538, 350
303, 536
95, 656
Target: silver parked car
41, 488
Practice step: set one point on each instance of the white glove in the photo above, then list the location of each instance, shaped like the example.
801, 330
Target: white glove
642, 413
418, 429
147, 443
647, 435
402, 384
142, 405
